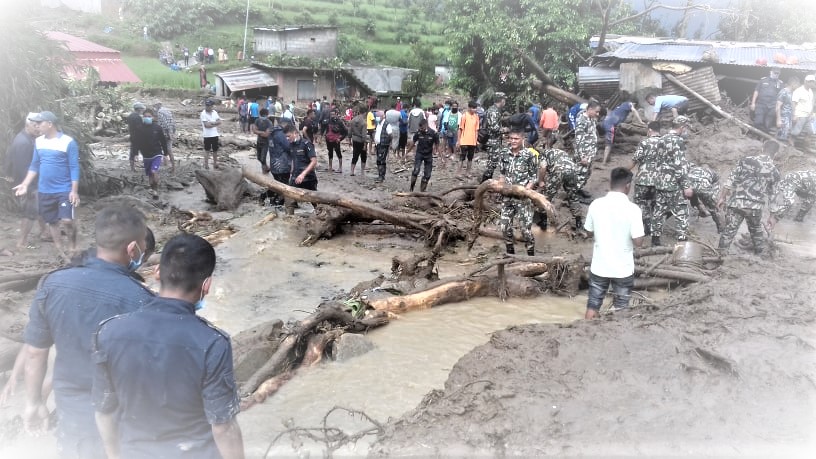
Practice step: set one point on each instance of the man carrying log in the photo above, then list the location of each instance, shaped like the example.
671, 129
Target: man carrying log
617, 227
800, 183
672, 185
556, 172
752, 181
518, 166
304, 162
645, 159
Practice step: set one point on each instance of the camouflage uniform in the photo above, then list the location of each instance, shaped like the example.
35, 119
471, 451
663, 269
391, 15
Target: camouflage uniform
802, 184
705, 184
752, 180
586, 146
671, 178
520, 169
646, 159
560, 170
492, 119
785, 113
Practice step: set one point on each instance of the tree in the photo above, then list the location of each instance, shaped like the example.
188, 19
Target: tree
789, 21
487, 38
423, 59
167, 19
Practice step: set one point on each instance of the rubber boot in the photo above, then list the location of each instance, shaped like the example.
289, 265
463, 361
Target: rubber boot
717, 222
423, 185
413, 182
579, 223
531, 251
656, 241
647, 227
511, 250
800, 217
542, 221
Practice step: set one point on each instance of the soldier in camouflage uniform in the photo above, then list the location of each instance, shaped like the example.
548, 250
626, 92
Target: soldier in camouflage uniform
492, 120
645, 159
802, 184
705, 186
751, 181
556, 172
784, 109
586, 144
672, 185
518, 166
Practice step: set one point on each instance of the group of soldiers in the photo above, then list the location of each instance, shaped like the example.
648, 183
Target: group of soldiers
666, 183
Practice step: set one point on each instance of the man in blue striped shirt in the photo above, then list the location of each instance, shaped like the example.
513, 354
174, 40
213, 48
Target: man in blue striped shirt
55, 164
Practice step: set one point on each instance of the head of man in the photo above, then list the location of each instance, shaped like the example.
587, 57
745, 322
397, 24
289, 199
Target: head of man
208, 105
770, 148
157, 105
311, 114
416, 103
810, 81
263, 113
147, 116
139, 107
47, 123
472, 106
423, 125
335, 113
774, 73
680, 125
121, 236
500, 99
30, 127
654, 128
793, 82
516, 139
593, 109
186, 268
454, 107
291, 132
620, 179
650, 99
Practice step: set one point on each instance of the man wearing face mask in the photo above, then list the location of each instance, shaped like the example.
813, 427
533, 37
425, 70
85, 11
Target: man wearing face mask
152, 145
182, 402
66, 311
763, 101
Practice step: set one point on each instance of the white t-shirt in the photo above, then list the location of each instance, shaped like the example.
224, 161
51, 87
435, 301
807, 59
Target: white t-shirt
211, 117
803, 97
388, 131
615, 221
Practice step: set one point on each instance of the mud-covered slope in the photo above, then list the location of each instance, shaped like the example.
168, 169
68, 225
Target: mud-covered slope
724, 368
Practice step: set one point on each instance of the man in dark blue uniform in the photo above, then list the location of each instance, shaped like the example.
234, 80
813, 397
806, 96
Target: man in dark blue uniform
163, 386
304, 161
763, 101
66, 311
15, 166
424, 140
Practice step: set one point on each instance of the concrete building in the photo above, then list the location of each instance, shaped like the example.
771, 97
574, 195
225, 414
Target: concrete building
307, 41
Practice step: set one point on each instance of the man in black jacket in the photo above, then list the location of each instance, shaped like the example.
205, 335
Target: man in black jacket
151, 143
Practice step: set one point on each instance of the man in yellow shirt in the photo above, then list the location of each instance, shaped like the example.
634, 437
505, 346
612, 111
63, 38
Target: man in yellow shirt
371, 125
468, 129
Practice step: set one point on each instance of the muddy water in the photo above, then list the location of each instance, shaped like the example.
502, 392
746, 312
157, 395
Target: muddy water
263, 275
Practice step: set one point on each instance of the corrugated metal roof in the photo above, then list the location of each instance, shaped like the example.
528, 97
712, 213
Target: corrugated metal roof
297, 27
246, 78
796, 57
381, 79
702, 81
109, 70
599, 82
78, 45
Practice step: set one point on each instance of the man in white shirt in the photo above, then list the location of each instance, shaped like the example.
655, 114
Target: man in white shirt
802, 100
617, 227
210, 122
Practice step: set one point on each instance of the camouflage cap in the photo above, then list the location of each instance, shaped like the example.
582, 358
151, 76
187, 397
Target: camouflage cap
500, 95
681, 121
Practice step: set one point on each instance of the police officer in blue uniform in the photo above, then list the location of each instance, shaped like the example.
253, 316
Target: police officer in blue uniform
163, 385
66, 311
763, 101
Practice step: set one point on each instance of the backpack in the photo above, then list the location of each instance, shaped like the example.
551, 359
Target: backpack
519, 121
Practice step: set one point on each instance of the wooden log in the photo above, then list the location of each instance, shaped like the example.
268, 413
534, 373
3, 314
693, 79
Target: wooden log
641, 283
224, 187
449, 292
674, 274
649, 251
549, 86
513, 191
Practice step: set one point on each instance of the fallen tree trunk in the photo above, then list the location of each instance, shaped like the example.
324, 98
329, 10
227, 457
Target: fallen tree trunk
673, 274
513, 191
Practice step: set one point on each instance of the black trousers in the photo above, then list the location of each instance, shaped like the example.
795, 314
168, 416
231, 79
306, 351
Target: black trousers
358, 150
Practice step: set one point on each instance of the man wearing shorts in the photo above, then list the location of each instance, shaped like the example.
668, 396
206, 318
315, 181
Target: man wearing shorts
55, 164
16, 163
468, 129
210, 122
152, 147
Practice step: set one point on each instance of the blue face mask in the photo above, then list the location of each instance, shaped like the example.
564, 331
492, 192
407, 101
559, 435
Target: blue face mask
134, 264
147, 120
200, 304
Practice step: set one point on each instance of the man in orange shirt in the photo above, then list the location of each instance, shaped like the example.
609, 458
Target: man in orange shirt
549, 125
468, 129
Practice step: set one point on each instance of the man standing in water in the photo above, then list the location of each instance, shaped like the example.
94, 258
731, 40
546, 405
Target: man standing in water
617, 226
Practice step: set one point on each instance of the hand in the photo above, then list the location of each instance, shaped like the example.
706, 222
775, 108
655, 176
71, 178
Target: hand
20, 190
35, 418
720, 203
299, 179
688, 193
584, 162
73, 198
770, 224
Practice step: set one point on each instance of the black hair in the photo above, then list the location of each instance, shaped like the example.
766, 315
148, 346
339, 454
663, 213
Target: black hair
619, 177
593, 104
118, 226
517, 131
289, 128
472, 104
651, 94
310, 111
264, 112
423, 123
150, 240
770, 147
654, 125
186, 261
148, 110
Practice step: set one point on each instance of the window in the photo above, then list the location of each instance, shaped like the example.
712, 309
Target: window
306, 90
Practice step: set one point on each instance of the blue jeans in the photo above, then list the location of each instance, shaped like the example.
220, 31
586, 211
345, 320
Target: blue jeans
598, 286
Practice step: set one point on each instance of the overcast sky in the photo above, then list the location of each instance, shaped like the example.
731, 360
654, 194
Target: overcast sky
704, 23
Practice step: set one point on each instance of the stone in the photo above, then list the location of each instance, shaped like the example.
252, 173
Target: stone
350, 345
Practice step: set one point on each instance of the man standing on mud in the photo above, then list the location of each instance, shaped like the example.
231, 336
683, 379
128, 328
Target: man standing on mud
424, 140
672, 185
752, 181
492, 120
617, 227
163, 383
209, 123
763, 101
383, 136
66, 311
55, 165
134, 124
304, 162
168, 125
586, 144
518, 166
15, 167
645, 159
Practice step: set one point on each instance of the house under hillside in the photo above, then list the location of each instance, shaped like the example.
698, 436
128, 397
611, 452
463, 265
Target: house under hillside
86, 54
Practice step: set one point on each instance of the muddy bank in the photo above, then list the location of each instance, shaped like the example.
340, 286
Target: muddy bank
723, 368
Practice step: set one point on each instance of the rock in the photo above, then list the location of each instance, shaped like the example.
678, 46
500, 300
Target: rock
350, 345
173, 185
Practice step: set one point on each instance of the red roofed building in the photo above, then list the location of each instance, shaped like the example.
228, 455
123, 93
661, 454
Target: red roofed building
107, 62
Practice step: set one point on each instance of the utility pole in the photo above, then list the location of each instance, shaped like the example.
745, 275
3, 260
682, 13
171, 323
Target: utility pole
246, 27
